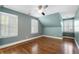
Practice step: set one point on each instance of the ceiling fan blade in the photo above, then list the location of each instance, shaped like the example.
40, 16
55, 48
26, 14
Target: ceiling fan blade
40, 7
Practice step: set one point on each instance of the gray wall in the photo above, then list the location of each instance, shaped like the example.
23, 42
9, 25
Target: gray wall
52, 25
24, 27
51, 20
76, 33
52, 31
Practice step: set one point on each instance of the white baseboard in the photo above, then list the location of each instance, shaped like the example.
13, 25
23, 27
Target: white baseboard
69, 37
76, 44
74, 40
14, 43
53, 37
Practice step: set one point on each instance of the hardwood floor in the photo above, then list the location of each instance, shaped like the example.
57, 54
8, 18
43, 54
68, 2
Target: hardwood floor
43, 45
69, 46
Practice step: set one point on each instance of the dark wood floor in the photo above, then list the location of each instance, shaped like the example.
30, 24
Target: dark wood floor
43, 45
69, 46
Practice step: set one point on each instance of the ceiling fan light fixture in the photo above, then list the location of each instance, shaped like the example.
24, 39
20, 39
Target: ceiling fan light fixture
43, 13
45, 6
40, 11
40, 7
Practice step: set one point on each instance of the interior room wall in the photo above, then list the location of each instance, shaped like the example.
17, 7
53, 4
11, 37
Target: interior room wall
24, 27
76, 27
52, 31
52, 25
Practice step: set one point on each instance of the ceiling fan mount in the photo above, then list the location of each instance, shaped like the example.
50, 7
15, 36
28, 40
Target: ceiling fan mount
41, 8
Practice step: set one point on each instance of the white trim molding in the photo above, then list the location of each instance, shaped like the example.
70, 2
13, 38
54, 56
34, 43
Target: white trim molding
74, 40
53, 37
21, 41
68, 37
76, 44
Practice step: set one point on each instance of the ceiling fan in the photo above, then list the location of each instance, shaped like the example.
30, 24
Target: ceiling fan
41, 9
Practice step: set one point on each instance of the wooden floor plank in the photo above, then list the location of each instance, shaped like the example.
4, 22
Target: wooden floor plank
43, 45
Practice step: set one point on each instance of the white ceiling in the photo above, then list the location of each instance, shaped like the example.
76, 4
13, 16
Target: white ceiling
66, 11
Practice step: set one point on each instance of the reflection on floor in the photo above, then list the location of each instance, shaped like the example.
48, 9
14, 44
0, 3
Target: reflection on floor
43, 45
69, 46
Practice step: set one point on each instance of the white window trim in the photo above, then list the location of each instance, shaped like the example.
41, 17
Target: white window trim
17, 25
36, 30
67, 27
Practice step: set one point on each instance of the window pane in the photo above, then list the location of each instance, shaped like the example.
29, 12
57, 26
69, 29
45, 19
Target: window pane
68, 25
34, 26
8, 25
4, 19
76, 25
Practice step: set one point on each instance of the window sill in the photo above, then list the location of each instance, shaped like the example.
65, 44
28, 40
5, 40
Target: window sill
7, 36
33, 33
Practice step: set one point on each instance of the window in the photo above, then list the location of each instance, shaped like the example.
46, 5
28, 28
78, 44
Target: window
8, 25
68, 25
34, 26
76, 25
